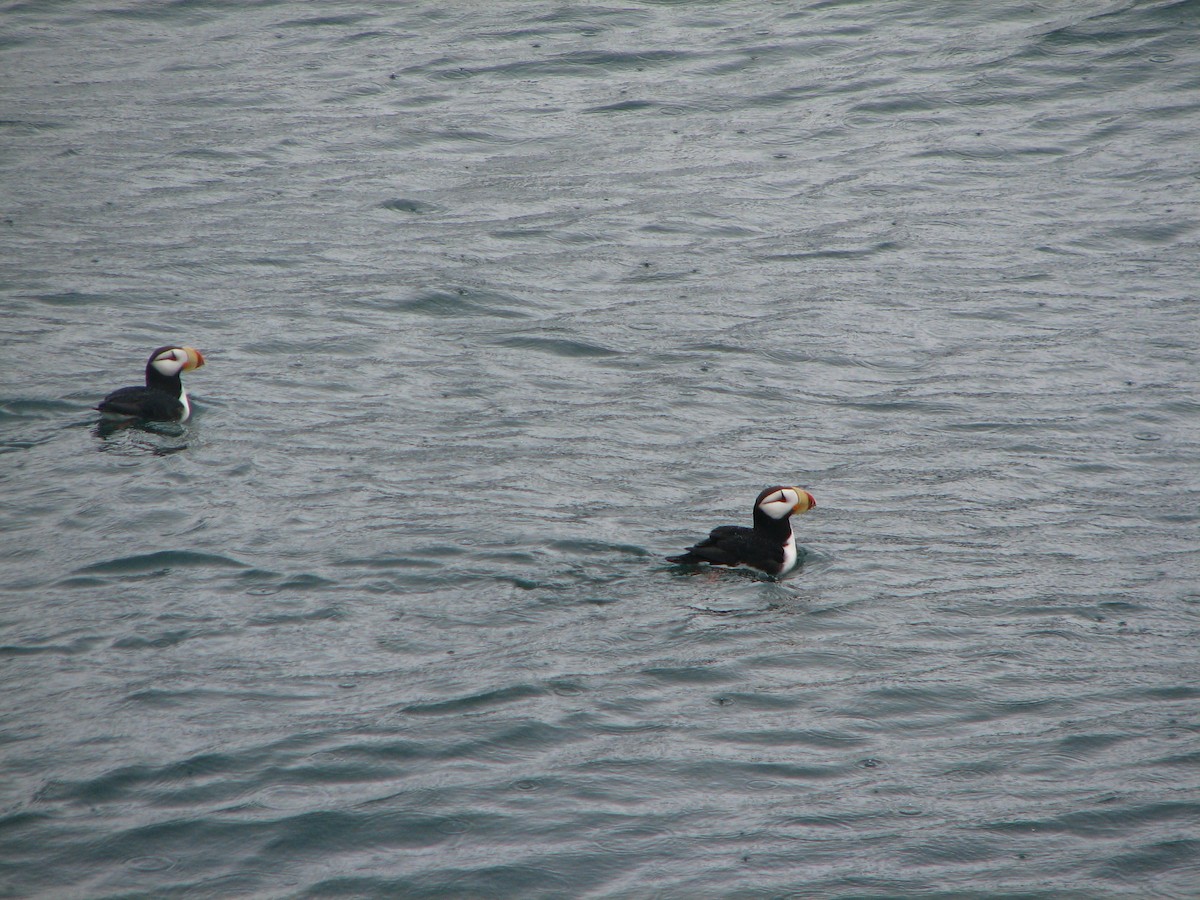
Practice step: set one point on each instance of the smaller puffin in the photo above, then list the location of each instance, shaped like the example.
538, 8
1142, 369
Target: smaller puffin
163, 398
769, 546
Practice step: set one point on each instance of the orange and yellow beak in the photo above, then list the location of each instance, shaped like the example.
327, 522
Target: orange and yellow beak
195, 359
807, 501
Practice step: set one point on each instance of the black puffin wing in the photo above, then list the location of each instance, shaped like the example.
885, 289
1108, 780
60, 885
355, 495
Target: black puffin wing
123, 401
141, 403
724, 546
727, 534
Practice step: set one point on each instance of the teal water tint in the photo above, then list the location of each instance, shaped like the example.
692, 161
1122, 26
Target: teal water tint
504, 303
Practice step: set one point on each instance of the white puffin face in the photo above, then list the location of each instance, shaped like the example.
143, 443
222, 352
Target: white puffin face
174, 360
782, 502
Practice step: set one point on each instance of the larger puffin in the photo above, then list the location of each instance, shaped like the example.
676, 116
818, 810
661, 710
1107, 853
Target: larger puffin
163, 399
769, 546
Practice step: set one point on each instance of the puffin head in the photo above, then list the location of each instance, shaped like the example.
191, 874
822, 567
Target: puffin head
170, 361
781, 502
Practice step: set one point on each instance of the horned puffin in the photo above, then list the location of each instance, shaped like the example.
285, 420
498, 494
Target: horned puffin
769, 546
163, 398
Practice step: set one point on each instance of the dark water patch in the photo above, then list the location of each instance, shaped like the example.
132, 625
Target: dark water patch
700, 225
689, 674
165, 639
824, 740
1176, 858
1169, 692
208, 154
420, 101
162, 781
832, 253
78, 645
818, 826
432, 68
275, 262
1084, 746
70, 298
29, 127
530, 584
297, 836
589, 548
171, 12
597, 63
1190, 760
306, 582
183, 840
150, 863
1114, 820
365, 36
591, 20
992, 152
388, 752
430, 557
12, 822
457, 302
897, 405
537, 879
324, 614
760, 776
355, 93
189, 698
718, 347
867, 87
565, 347
811, 659
921, 700
520, 234
408, 205
162, 562
81, 582
952, 850
324, 21
473, 702
976, 769
1152, 233
463, 140
623, 106
899, 105
1005, 427
513, 743
648, 273
263, 576
763, 702
298, 347
14, 409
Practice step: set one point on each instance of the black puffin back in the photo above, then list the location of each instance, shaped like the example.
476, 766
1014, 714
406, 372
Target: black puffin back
142, 403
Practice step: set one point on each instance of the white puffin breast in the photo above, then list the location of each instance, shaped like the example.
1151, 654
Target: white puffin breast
789, 554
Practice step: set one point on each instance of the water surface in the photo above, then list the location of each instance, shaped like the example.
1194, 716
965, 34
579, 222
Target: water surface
502, 304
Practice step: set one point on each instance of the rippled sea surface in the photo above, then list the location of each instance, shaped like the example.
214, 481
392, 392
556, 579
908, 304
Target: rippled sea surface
505, 301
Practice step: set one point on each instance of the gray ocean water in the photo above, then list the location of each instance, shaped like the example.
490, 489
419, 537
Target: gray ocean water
505, 301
